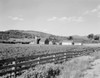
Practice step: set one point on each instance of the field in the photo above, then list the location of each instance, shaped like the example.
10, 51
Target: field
71, 68
20, 50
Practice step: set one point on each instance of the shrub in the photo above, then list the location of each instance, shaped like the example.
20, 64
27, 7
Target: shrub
44, 71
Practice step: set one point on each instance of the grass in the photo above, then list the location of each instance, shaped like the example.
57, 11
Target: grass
71, 69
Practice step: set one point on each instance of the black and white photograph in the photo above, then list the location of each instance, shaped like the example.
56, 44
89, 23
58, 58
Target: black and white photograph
49, 38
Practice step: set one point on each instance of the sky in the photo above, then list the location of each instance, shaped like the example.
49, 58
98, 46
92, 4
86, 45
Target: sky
58, 17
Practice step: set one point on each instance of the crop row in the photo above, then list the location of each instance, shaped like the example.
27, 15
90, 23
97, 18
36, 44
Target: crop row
20, 50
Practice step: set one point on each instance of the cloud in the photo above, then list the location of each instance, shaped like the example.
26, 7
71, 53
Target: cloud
63, 18
95, 10
52, 19
16, 18
77, 19
67, 19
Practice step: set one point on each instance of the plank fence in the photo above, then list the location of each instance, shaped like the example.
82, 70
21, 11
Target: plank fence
11, 68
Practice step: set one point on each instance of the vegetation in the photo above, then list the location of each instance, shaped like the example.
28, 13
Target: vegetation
20, 50
79, 67
93, 37
71, 69
75, 68
96, 38
70, 38
90, 36
19, 34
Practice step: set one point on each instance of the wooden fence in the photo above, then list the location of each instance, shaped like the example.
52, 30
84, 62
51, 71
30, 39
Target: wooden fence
12, 67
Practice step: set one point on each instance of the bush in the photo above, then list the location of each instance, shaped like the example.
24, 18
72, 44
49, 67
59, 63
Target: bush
44, 71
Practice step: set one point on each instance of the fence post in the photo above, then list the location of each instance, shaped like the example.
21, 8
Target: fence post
38, 60
65, 56
53, 58
15, 74
14, 68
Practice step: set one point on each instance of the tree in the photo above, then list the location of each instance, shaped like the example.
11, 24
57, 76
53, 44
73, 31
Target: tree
47, 41
53, 38
96, 37
70, 38
90, 36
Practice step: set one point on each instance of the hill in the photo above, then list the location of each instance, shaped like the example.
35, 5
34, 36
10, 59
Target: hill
20, 34
29, 35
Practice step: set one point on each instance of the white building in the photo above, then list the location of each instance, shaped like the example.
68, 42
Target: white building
50, 43
67, 42
41, 42
77, 43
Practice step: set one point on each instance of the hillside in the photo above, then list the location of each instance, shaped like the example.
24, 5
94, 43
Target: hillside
29, 35
20, 34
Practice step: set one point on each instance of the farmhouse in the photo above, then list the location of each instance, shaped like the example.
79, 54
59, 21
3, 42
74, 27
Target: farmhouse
42, 41
50, 43
77, 43
37, 40
67, 42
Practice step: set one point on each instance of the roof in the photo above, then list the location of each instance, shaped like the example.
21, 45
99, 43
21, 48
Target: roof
67, 41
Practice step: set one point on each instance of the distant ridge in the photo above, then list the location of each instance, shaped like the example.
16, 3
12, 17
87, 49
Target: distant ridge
23, 34
5, 35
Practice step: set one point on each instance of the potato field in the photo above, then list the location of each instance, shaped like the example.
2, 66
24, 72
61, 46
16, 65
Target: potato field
22, 50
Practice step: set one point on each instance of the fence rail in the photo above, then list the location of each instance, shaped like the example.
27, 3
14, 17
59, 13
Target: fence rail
15, 65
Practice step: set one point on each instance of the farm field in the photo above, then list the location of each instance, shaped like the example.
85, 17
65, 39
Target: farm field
20, 50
